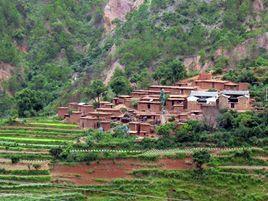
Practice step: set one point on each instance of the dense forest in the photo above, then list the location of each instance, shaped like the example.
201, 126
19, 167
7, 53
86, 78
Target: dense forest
54, 49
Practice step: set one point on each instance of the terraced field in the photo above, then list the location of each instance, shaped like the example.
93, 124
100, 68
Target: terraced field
30, 142
37, 176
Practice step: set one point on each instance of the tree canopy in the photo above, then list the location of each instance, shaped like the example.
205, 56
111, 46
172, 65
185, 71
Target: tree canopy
95, 90
29, 102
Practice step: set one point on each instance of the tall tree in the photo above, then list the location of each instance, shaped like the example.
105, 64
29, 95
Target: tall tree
170, 73
29, 102
120, 85
96, 90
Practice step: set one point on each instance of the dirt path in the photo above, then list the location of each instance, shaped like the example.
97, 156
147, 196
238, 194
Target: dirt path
246, 167
107, 170
264, 158
23, 152
23, 165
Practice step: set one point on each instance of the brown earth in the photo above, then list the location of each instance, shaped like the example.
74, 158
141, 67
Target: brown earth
107, 170
23, 165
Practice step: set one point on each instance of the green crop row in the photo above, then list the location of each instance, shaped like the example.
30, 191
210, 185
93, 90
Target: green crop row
6, 131
31, 135
24, 172
26, 156
34, 140
24, 145
42, 178
53, 125
38, 129
43, 197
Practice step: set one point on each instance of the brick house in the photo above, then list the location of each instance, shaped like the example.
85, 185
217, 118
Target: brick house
152, 117
106, 125
62, 112
236, 100
183, 116
151, 106
75, 117
113, 111
139, 93
88, 122
210, 84
176, 102
101, 115
134, 127
142, 129
93, 122
173, 89
85, 109
197, 98
73, 106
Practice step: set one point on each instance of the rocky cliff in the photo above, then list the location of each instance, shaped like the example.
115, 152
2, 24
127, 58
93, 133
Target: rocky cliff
118, 9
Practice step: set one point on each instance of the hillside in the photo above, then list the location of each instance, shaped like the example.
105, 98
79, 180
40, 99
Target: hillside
47, 159
58, 47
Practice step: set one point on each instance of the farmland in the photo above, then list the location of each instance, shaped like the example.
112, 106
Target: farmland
95, 171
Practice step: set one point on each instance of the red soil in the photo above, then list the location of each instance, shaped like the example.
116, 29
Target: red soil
82, 174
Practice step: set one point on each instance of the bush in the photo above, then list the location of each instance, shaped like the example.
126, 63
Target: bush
37, 166
56, 152
200, 158
15, 159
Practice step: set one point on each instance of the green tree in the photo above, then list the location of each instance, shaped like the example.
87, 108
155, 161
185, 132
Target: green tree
200, 158
120, 85
226, 120
96, 90
170, 73
165, 130
144, 79
29, 102
247, 76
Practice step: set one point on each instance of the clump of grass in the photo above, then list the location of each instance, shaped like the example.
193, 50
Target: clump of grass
101, 180
90, 171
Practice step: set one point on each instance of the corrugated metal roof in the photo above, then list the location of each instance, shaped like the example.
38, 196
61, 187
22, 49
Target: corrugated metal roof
204, 93
232, 92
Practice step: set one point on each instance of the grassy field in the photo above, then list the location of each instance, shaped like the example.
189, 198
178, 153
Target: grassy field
227, 176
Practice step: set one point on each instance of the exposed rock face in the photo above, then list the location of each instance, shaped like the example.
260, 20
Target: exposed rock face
246, 49
192, 63
112, 66
257, 6
5, 72
118, 9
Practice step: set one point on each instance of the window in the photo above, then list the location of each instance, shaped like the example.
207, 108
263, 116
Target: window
149, 106
232, 105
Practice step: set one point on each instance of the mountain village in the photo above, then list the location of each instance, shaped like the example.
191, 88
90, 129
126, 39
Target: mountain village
200, 98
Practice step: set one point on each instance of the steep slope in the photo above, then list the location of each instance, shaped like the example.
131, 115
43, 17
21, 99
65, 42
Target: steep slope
61, 50
186, 29
43, 40
5, 72
117, 10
